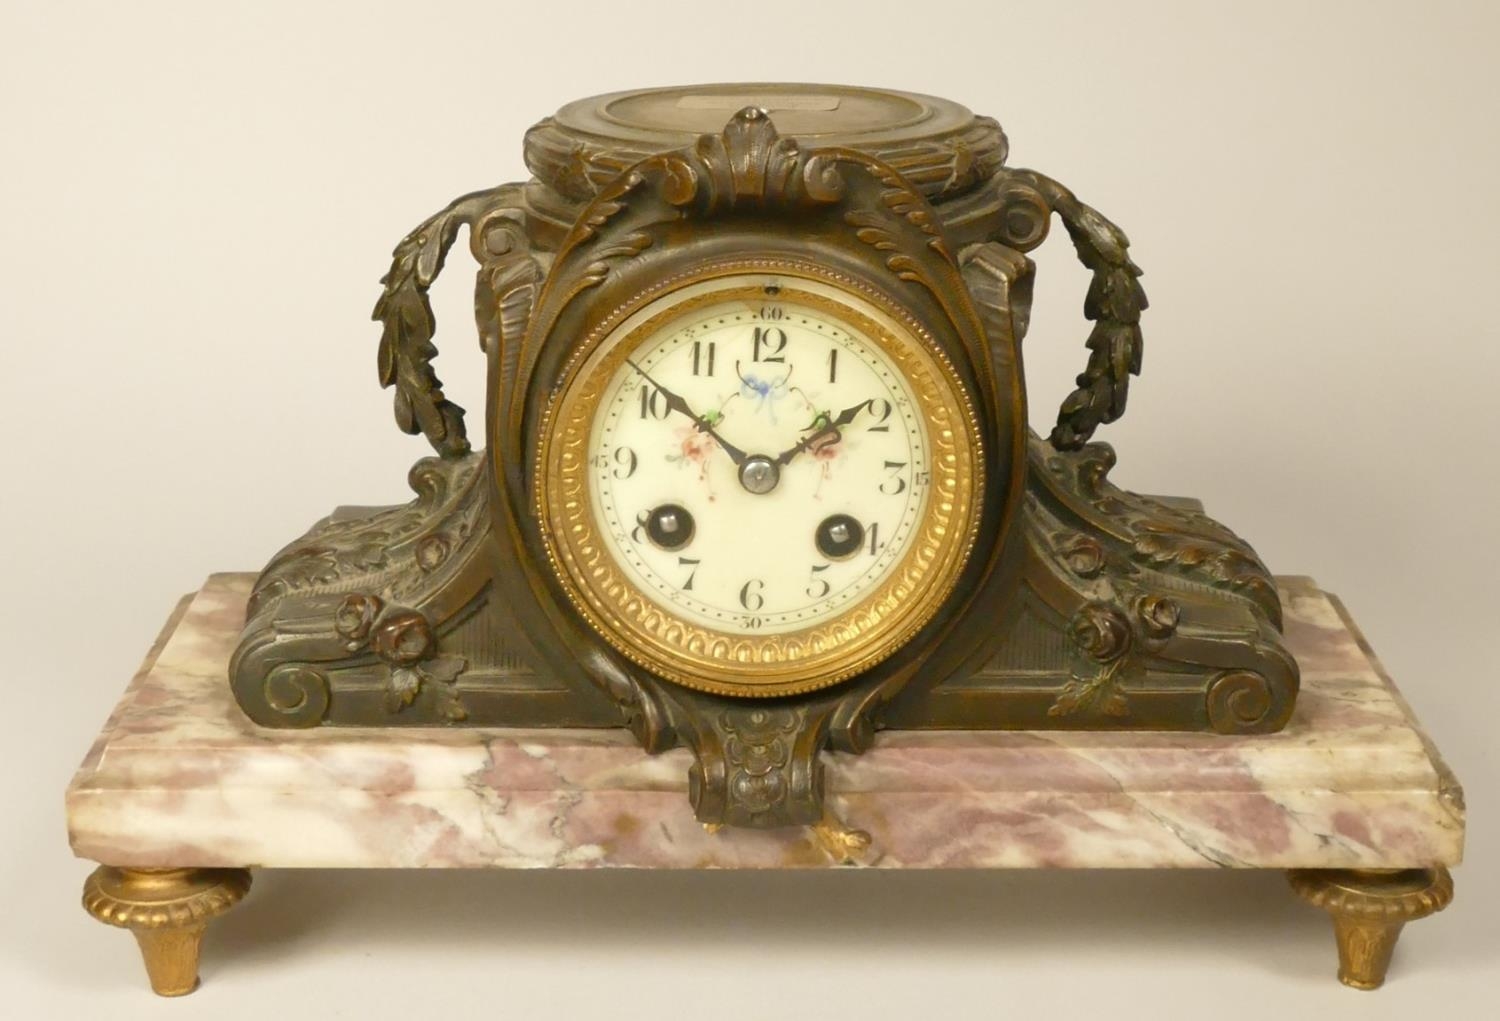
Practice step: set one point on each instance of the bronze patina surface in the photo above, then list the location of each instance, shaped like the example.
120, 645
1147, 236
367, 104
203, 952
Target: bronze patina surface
1080, 605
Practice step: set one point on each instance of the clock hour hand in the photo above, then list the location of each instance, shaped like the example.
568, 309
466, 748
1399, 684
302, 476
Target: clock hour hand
676, 403
824, 428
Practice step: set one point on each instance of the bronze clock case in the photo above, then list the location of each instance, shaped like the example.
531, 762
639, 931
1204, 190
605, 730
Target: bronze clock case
1075, 604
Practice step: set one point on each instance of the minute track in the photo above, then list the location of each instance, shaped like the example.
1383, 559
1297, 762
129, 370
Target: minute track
833, 466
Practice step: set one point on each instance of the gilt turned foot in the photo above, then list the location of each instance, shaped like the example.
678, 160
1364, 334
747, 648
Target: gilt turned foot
168, 911
1368, 909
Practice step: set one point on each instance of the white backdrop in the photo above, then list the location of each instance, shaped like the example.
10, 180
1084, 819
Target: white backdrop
196, 202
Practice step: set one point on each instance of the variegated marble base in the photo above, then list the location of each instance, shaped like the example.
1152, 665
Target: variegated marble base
180, 778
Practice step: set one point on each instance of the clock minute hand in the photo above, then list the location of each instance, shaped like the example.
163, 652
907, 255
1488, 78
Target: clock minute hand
829, 427
676, 403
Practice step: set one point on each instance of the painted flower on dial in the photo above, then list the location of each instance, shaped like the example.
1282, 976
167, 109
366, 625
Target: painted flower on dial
826, 450
695, 447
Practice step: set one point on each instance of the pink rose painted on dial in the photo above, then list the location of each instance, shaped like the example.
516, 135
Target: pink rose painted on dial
828, 450
695, 447
824, 453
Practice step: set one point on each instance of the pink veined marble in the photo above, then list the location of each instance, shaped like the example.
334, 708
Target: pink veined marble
180, 777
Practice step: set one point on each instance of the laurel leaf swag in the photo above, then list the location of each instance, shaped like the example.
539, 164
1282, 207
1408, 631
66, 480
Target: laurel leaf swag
1113, 304
404, 358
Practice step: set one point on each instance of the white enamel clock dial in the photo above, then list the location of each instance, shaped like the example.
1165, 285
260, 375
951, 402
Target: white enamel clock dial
787, 482
760, 483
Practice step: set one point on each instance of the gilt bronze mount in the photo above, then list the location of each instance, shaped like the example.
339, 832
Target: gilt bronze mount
1058, 599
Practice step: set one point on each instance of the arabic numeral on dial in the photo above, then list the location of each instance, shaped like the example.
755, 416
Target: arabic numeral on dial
703, 358
876, 545
750, 595
922, 478
691, 563
819, 587
768, 344
653, 403
833, 365
880, 410
751, 622
638, 533
625, 462
894, 484
771, 312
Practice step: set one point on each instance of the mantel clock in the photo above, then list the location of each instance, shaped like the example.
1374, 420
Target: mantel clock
756, 475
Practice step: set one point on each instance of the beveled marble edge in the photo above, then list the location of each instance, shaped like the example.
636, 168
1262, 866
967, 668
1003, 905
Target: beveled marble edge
91, 760
1359, 789
482, 828
1448, 784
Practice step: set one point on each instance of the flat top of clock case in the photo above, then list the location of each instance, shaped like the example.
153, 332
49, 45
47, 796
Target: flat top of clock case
839, 114
940, 145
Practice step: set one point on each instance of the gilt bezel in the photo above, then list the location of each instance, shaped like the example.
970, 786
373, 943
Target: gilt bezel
789, 662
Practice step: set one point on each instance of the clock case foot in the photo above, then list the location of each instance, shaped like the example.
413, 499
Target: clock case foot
1094, 608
